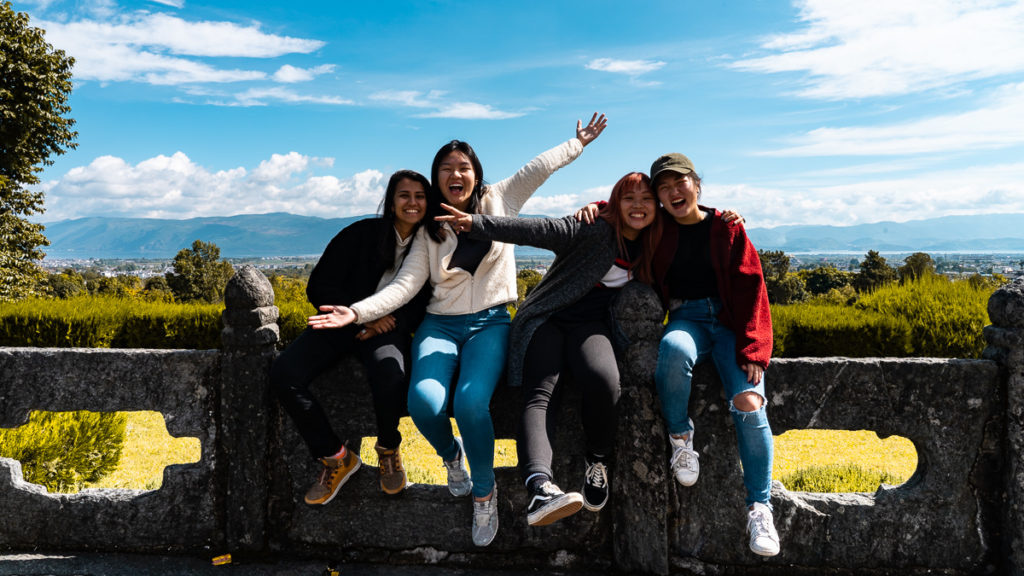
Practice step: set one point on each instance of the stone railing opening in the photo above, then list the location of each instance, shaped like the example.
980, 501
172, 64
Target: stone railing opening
842, 460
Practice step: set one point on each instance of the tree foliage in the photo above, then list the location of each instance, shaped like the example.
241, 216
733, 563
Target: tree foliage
823, 279
526, 279
874, 273
35, 82
915, 266
783, 287
199, 273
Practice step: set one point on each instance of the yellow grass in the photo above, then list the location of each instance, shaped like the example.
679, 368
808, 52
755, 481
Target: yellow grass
148, 448
800, 449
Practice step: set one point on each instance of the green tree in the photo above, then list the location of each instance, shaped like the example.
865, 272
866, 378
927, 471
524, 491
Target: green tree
35, 82
526, 279
874, 272
199, 273
915, 266
825, 278
783, 287
65, 284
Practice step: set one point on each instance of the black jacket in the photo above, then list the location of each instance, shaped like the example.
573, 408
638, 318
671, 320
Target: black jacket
351, 267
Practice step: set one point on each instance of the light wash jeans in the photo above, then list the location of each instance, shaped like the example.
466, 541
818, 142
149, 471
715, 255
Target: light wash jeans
694, 334
475, 345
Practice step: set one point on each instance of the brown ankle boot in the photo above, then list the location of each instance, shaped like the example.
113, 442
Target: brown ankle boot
392, 473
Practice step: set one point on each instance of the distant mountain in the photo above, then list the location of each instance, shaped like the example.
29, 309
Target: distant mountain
984, 233
281, 234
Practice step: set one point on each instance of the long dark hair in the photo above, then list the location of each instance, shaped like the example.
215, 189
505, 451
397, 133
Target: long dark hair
386, 243
434, 195
649, 236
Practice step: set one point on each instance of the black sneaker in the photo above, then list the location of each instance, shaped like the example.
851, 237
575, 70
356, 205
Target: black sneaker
595, 486
549, 504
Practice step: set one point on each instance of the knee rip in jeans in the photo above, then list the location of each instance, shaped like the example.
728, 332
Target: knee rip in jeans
749, 402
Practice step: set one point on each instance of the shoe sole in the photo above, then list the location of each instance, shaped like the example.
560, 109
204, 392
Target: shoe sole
399, 490
766, 553
359, 464
594, 507
681, 483
561, 507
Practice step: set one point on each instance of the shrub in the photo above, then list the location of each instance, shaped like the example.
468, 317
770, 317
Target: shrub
840, 478
109, 322
63, 451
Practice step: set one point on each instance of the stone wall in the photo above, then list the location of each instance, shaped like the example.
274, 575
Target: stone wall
961, 512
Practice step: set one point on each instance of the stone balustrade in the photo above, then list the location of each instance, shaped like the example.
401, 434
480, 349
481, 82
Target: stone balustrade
962, 512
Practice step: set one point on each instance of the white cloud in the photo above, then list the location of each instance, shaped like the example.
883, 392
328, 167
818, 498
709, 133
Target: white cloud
411, 98
564, 204
999, 125
965, 190
176, 187
290, 74
881, 48
143, 47
628, 67
171, 3
470, 111
261, 96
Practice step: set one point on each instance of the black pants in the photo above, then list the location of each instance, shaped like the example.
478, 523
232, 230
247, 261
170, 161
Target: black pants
585, 349
313, 352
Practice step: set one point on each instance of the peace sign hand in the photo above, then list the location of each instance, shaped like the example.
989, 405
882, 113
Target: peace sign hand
459, 220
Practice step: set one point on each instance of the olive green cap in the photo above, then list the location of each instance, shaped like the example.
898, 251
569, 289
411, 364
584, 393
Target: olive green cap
675, 162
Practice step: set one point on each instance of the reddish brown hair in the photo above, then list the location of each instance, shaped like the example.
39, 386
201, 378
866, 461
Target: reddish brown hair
649, 236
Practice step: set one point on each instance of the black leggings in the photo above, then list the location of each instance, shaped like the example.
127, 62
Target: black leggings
313, 352
586, 350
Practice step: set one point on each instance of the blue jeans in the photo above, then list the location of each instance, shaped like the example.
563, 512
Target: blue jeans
475, 345
694, 334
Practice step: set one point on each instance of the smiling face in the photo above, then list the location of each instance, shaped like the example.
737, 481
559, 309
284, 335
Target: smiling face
637, 208
456, 179
410, 205
678, 194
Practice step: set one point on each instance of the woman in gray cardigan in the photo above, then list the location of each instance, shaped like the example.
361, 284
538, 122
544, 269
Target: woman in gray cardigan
566, 323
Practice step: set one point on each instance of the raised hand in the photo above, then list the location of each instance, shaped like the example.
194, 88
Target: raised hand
332, 317
459, 220
588, 134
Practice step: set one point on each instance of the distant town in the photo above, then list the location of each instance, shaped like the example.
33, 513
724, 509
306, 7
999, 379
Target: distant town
953, 265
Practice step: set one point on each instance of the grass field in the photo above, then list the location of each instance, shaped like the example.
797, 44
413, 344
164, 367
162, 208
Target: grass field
828, 460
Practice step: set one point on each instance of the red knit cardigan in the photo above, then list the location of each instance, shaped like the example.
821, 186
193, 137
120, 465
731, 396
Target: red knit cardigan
741, 286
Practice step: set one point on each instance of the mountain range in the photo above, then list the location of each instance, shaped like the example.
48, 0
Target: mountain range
281, 234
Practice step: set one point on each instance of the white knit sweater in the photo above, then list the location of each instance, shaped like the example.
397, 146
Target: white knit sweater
457, 291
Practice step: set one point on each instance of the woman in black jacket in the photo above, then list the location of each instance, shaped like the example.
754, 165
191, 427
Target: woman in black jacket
361, 259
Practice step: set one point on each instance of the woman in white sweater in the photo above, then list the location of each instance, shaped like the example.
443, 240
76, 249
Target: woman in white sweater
467, 323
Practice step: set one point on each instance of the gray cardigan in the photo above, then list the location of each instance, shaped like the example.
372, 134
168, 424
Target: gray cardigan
583, 254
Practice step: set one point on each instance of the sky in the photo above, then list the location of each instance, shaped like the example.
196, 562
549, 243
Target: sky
794, 112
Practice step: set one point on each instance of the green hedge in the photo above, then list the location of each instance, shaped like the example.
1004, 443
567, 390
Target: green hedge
109, 322
929, 317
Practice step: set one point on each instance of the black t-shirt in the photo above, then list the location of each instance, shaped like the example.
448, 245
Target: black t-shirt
691, 275
469, 252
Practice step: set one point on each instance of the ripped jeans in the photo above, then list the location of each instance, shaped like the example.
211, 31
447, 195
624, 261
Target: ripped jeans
694, 334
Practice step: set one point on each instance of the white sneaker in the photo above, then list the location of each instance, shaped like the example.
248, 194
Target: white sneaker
764, 540
459, 482
684, 459
485, 519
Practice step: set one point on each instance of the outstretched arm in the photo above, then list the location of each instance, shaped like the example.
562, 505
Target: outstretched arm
515, 190
332, 317
547, 233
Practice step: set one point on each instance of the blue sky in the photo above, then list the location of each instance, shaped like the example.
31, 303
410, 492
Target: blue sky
794, 112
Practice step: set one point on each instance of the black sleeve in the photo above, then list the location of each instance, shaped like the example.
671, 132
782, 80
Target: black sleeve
548, 233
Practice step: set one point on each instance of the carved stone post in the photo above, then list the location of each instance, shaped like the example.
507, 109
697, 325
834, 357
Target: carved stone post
249, 335
639, 479
1005, 339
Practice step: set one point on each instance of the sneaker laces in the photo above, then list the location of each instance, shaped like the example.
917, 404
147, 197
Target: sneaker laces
759, 524
683, 457
387, 463
597, 475
483, 510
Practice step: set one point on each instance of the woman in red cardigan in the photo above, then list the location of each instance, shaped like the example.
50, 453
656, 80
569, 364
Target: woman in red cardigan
708, 275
